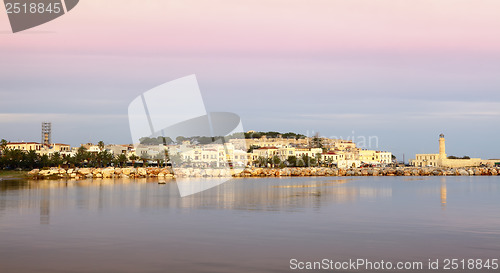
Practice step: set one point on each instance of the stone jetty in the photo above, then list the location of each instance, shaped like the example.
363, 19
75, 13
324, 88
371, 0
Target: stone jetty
169, 173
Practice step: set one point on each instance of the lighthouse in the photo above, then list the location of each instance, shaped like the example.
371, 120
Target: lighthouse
442, 147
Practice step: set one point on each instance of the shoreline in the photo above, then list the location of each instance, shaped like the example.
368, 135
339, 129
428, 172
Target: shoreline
169, 173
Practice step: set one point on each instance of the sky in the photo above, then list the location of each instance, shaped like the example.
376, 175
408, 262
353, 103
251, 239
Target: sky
399, 70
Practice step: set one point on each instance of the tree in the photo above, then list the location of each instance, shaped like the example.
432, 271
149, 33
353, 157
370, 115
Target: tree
292, 160
133, 158
317, 142
44, 161
55, 159
318, 159
3, 145
31, 160
122, 159
275, 160
262, 161
144, 158
330, 162
81, 156
100, 144
104, 158
159, 159
176, 159
253, 147
305, 161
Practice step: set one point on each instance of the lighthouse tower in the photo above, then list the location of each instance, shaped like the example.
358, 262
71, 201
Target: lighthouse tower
442, 147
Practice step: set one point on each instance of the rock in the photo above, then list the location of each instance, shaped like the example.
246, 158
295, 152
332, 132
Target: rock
84, 171
108, 172
44, 173
128, 171
34, 172
142, 172
463, 172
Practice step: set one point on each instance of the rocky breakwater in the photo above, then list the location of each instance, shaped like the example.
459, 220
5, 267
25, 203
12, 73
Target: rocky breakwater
169, 173
389, 171
86, 173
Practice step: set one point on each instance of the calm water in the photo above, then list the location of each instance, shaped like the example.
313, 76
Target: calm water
245, 225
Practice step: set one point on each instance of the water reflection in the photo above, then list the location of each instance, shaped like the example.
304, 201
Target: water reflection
272, 194
443, 193
245, 225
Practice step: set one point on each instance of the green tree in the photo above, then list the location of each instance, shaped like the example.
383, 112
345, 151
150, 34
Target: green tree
31, 160
176, 159
104, 158
3, 145
44, 161
122, 159
262, 161
329, 162
56, 159
275, 160
100, 144
292, 160
305, 161
317, 158
133, 158
252, 147
159, 159
81, 156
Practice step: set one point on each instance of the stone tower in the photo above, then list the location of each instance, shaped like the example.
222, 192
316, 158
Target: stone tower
442, 147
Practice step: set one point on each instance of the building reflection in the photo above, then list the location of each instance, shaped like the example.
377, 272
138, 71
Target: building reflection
443, 193
274, 194
45, 206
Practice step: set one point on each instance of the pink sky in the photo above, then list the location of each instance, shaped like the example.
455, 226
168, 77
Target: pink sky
434, 62
228, 26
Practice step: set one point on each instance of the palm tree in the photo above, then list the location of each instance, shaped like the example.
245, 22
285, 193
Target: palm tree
133, 157
106, 158
100, 144
3, 145
330, 162
176, 159
159, 159
275, 160
81, 156
262, 161
122, 159
31, 159
56, 159
318, 159
292, 160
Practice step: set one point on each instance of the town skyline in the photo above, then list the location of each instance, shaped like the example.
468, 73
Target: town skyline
404, 73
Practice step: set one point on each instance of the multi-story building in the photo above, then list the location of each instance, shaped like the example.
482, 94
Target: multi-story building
25, 146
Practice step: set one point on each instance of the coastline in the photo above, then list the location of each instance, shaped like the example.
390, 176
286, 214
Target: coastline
169, 173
